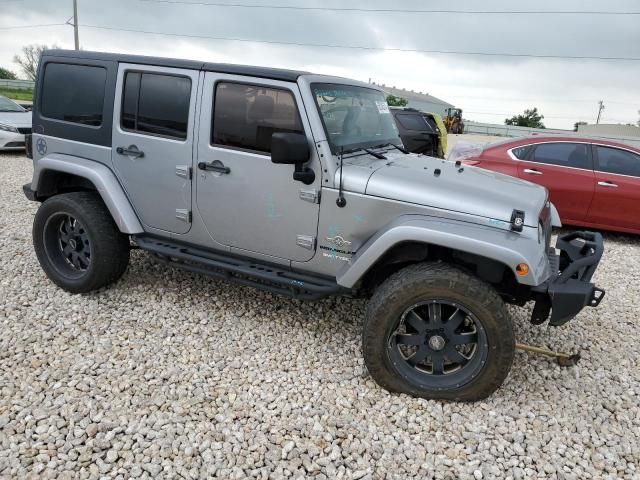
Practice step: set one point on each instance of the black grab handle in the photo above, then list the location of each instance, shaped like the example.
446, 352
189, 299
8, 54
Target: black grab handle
131, 151
216, 166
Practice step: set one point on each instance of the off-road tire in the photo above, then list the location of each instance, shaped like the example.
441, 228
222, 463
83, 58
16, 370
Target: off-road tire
422, 282
109, 248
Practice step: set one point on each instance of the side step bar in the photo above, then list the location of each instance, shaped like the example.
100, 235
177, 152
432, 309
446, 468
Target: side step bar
241, 270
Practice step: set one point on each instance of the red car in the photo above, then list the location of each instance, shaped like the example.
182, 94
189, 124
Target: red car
593, 183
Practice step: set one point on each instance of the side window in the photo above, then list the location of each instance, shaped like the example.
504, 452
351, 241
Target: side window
245, 116
73, 93
574, 155
615, 160
412, 122
156, 104
521, 152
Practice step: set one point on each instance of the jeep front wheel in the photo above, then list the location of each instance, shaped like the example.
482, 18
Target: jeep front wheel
78, 244
433, 331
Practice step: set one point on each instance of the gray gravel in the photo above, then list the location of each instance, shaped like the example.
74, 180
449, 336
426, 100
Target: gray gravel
172, 374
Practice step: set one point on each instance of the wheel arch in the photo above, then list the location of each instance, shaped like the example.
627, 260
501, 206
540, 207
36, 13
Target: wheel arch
418, 238
58, 173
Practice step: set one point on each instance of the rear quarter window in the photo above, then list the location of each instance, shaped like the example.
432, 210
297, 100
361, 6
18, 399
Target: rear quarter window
412, 122
73, 93
521, 152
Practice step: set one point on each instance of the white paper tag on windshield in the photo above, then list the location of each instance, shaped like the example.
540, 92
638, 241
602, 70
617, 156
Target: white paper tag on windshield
382, 107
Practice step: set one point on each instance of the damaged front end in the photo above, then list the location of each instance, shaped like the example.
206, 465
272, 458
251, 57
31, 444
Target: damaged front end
569, 289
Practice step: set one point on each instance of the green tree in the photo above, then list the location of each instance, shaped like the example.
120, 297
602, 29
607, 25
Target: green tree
29, 58
394, 101
530, 118
577, 125
7, 74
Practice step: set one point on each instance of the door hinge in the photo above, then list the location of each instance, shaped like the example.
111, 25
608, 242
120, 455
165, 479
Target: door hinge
310, 195
306, 241
183, 214
184, 171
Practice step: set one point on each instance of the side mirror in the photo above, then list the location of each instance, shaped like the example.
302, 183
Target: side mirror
293, 149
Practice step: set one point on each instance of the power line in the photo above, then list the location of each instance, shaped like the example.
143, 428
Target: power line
395, 10
363, 47
16, 27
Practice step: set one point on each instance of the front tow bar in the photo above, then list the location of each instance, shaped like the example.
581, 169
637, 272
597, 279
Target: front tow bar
563, 359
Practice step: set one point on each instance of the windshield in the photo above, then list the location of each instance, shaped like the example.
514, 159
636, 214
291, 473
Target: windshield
7, 105
354, 117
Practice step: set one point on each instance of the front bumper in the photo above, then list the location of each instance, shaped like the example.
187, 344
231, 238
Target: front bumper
569, 289
11, 140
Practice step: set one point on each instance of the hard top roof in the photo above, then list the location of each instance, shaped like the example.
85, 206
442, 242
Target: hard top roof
260, 72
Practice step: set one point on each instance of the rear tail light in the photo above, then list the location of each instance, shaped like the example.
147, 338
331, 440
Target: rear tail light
471, 162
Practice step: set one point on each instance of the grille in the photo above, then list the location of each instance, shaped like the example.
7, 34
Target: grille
26, 131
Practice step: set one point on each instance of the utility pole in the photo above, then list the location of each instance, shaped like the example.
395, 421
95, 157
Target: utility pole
600, 109
76, 38
75, 25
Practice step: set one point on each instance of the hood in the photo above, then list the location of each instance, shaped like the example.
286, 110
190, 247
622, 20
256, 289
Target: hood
16, 119
469, 190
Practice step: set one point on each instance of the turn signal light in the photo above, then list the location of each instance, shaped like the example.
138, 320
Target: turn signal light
522, 269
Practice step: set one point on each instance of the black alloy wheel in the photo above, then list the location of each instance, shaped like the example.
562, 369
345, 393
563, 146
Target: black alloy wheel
67, 244
438, 344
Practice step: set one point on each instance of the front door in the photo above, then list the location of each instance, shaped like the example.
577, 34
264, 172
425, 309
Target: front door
246, 202
566, 169
617, 199
153, 142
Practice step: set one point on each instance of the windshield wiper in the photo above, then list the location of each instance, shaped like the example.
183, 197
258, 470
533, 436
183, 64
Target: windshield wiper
379, 156
398, 147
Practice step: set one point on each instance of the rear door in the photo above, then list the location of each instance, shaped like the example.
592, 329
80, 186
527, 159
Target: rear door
617, 196
566, 169
153, 142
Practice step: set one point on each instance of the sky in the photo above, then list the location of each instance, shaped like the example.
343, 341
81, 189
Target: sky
487, 88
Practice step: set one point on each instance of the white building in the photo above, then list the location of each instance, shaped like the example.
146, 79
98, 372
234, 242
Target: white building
418, 100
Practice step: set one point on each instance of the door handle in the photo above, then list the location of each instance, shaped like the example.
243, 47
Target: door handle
130, 151
532, 171
215, 166
608, 184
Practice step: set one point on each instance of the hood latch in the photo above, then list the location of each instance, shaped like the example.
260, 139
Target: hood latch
517, 220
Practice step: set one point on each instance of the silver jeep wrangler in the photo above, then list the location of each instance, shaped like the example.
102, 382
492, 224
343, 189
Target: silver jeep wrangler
298, 184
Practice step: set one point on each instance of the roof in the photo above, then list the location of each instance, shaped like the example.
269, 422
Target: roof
411, 95
233, 69
560, 138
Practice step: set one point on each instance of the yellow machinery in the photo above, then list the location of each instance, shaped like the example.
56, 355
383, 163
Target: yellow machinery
453, 120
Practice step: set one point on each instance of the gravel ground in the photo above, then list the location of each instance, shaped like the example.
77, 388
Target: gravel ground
168, 373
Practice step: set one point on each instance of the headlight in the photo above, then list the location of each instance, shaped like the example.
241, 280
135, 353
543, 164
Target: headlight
8, 128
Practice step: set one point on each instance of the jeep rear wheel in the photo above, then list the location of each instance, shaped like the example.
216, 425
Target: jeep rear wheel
78, 244
435, 332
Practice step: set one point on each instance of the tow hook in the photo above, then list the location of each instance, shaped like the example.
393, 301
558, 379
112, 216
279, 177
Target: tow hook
563, 359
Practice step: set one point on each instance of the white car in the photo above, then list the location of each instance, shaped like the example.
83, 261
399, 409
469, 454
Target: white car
15, 123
